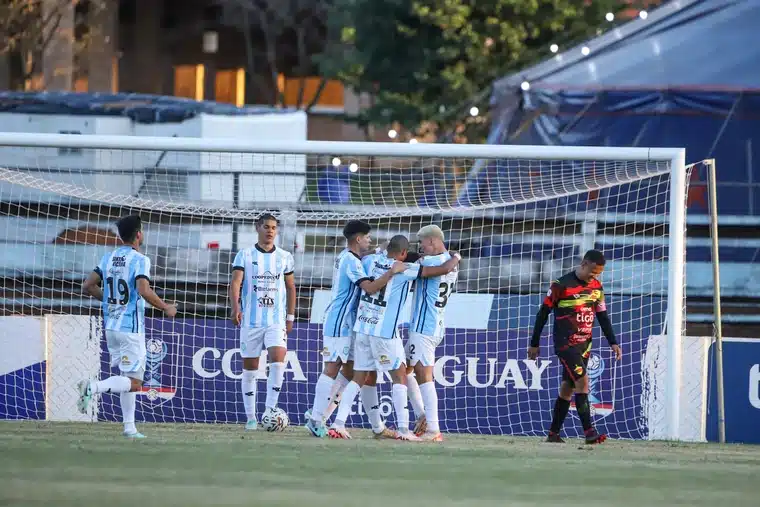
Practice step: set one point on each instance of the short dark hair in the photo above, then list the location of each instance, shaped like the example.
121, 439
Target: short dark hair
354, 227
398, 244
595, 257
128, 227
265, 217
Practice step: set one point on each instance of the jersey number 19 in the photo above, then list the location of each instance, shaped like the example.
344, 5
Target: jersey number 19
123, 291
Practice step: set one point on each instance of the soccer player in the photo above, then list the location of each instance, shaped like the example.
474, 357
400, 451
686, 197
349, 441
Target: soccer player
378, 344
575, 299
264, 310
126, 273
426, 331
349, 279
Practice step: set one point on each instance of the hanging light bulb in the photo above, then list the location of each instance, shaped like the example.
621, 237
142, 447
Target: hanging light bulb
610, 17
554, 48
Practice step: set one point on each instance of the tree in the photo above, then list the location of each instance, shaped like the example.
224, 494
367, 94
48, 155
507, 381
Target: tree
30, 28
280, 37
419, 59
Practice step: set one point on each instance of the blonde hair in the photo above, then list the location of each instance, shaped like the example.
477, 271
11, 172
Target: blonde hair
430, 231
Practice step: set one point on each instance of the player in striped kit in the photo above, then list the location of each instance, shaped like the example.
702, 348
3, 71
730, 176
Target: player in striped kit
263, 295
427, 329
126, 273
349, 279
378, 344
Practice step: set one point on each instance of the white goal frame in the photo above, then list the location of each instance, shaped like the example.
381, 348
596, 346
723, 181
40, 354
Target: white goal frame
676, 157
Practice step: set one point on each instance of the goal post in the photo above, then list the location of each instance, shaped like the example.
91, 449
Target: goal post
533, 211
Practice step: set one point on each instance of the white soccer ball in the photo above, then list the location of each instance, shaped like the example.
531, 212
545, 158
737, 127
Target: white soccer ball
275, 420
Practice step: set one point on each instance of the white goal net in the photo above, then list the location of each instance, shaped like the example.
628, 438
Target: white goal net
519, 216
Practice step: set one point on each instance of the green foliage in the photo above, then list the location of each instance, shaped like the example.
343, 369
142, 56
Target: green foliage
415, 56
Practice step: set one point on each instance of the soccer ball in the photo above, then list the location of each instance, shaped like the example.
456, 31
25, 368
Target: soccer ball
275, 420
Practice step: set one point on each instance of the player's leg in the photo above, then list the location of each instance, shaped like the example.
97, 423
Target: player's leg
335, 351
251, 345
341, 381
415, 398
371, 403
389, 356
274, 341
363, 364
581, 397
421, 354
568, 358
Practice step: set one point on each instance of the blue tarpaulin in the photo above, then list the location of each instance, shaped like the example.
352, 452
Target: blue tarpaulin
687, 76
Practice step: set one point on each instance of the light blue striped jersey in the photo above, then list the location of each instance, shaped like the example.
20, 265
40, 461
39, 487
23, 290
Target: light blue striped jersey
379, 313
430, 298
123, 307
341, 313
263, 298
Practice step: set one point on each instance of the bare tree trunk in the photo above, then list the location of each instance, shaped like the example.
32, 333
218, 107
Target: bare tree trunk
58, 51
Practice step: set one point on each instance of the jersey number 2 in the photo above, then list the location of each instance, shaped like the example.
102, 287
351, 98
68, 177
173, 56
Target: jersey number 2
443, 296
123, 291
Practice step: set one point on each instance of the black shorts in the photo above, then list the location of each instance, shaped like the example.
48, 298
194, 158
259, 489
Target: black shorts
574, 361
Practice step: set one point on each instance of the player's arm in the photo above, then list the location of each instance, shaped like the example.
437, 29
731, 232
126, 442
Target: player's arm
290, 293
92, 284
542, 317
444, 269
371, 286
235, 283
142, 281
606, 324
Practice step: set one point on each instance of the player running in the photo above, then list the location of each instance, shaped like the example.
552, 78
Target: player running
264, 311
426, 331
349, 280
378, 344
126, 273
575, 298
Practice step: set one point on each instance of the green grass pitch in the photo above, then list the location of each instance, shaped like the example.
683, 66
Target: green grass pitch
72, 464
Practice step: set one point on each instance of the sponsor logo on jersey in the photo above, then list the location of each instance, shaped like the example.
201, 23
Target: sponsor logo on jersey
266, 302
369, 319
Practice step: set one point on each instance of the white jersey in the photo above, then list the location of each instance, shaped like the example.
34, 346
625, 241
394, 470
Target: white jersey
341, 313
378, 313
123, 307
263, 298
430, 298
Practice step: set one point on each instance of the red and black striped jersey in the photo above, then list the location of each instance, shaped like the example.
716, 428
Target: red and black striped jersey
575, 304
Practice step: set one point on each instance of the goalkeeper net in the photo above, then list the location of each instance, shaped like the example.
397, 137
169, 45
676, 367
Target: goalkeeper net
520, 219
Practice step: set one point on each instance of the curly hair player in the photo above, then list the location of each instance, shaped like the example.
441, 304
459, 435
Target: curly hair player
576, 298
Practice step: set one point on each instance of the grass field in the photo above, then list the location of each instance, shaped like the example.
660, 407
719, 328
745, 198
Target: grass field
68, 464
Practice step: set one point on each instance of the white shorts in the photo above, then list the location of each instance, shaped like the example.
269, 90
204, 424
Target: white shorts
127, 351
372, 353
336, 348
253, 340
421, 349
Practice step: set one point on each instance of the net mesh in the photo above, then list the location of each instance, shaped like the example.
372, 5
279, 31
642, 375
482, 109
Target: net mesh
519, 224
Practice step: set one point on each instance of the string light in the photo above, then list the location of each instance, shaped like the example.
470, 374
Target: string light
554, 48
474, 111
392, 134
412, 141
353, 167
610, 17
585, 50
336, 162
643, 14
525, 86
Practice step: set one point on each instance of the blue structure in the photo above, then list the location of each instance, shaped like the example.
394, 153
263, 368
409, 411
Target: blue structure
140, 108
687, 76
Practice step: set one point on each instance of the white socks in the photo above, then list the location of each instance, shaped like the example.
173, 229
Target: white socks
372, 407
430, 399
116, 384
335, 395
344, 409
399, 406
274, 383
128, 403
248, 387
415, 396
322, 392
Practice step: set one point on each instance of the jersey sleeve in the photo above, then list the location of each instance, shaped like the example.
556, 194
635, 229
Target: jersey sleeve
355, 270
601, 304
100, 269
289, 264
143, 269
554, 294
237, 263
412, 272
